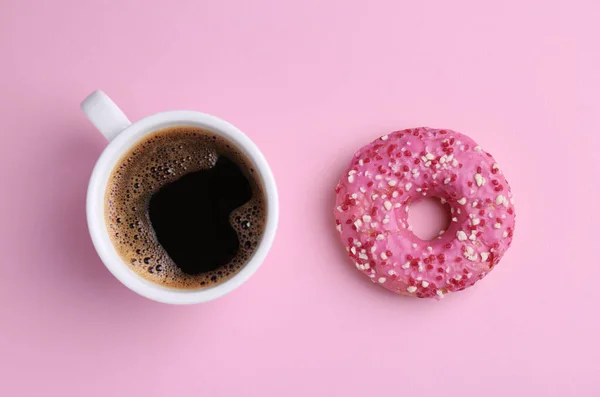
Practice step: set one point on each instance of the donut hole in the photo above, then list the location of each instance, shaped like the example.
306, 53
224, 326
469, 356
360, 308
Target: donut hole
428, 216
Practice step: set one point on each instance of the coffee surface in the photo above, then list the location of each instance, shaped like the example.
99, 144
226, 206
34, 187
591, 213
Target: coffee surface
185, 208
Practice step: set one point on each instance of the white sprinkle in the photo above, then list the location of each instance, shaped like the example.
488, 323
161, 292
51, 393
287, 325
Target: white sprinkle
388, 205
495, 166
406, 265
411, 289
380, 237
439, 293
383, 256
374, 196
443, 159
429, 156
472, 191
394, 194
425, 284
462, 201
393, 182
397, 205
408, 186
429, 249
351, 178
416, 175
458, 277
354, 196
381, 280
424, 158
374, 224
470, 254
339, 208
351, 172
366, 218
419, 189
454, 219
373, 249
473, 236
500, 199
391, 272
458, 211
505, 234
446, 181
363, 190
497, 226
363, 256
477, 148
384, 138
484, 256
474, 203
428, 164
462, 236
441, 232
378, 177
480, 180
454, 162
462, 147
414, 245
361, 162
358, 223
385, 221
353, 250
490, 215
475, 221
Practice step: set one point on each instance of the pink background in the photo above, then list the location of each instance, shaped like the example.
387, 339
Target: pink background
309, 81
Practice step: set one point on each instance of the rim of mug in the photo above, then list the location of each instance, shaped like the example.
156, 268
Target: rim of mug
96, 199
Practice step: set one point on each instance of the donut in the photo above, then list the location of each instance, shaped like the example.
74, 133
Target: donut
373, 199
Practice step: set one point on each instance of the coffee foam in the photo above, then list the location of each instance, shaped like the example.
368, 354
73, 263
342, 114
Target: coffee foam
155, 161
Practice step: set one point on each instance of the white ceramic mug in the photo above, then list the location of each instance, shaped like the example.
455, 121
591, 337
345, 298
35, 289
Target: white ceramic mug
122, 135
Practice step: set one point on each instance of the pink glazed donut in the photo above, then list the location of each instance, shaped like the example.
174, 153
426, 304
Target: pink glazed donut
390, 173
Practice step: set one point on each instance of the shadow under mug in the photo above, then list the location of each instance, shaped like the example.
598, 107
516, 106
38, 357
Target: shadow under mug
122, 135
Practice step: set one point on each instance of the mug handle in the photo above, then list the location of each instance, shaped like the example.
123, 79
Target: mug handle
106, 116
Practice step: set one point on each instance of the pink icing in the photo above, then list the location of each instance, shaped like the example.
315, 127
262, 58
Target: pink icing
373, 199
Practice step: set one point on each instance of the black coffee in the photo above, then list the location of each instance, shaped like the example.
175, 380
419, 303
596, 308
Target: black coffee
185, 208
